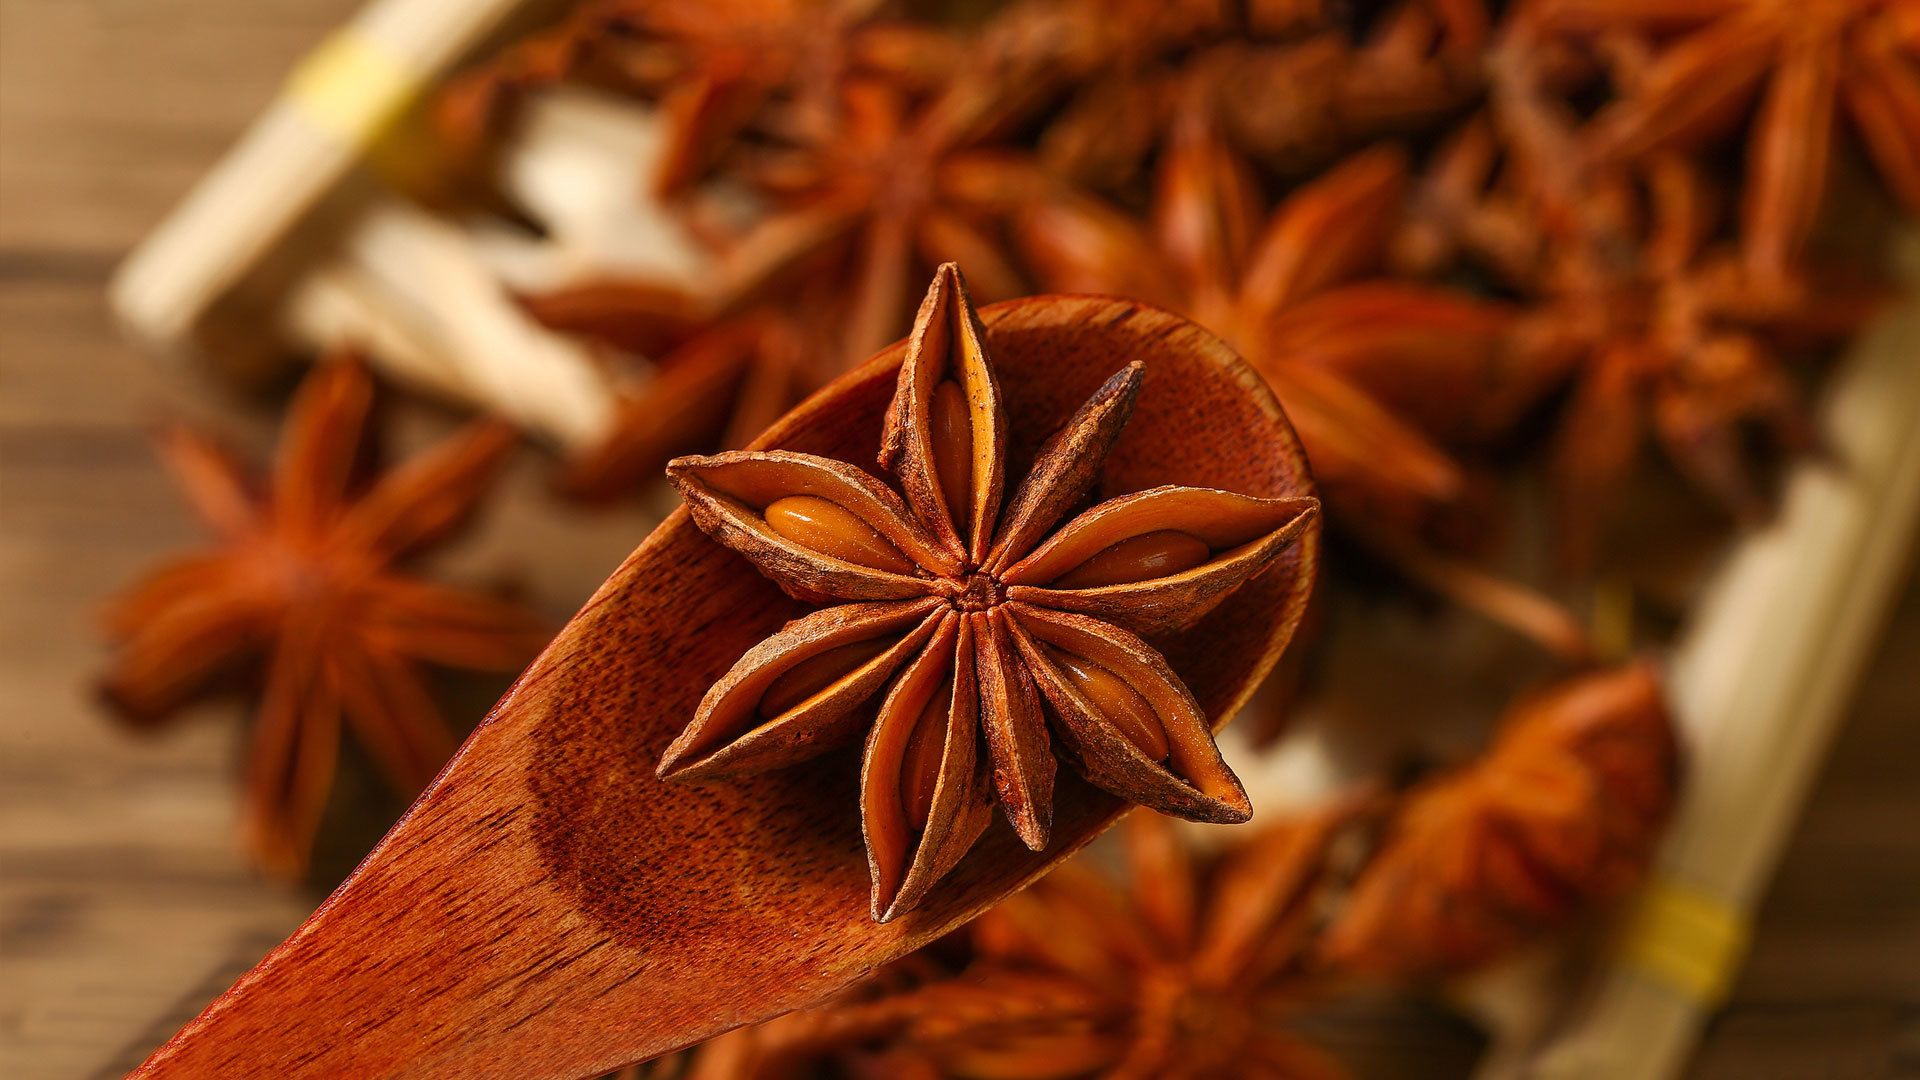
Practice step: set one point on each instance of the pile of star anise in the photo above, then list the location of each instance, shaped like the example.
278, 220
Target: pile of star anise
1479, 253
1483, 255
1453, 238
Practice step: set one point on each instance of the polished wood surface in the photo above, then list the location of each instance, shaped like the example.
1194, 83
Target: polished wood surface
124, 906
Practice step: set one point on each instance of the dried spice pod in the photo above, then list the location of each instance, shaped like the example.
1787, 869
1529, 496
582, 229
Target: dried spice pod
602, 916
894, 188
1243, 276
1808, 69
1123, 716
1559, 818
1182, 970
1665, 337
1153, 560
866, 547
1361, 368
760, 719
946, 434
309, 576
1668, 341
825, 531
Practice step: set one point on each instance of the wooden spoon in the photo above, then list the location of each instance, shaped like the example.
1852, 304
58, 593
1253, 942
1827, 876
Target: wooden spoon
548, 909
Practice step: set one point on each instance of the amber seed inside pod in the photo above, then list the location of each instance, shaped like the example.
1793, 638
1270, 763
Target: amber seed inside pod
814, 674
953, 451
832, 529
1137, 558
920, 760
1117, 701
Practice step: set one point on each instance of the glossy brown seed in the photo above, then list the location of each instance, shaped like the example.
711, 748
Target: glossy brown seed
1117, 701
810, 676
920, 760
832, 529
1138, 558
953, 451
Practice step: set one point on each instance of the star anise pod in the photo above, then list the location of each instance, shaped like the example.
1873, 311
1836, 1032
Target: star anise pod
1336, 351
1106, 72
1186, 973
306, 578
1474, 203
1560, 817
1518, 189
1060, 55
974, 612
1661, 332
1290, 103
1683, 343
1808, 64
895, 187
1244, 275
1295, 107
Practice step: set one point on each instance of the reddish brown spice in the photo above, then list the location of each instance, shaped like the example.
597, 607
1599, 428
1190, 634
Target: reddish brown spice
306, 578
958, 609
1559, 818
1185, 971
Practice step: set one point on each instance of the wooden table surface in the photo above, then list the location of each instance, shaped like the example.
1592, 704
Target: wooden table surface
123, 905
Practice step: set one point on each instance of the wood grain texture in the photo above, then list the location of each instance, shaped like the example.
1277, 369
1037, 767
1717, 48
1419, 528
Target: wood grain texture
120, 888
124, 907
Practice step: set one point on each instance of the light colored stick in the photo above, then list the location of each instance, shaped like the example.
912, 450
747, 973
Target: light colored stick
583, 164
412, 289
1760, 684
335, 304
431, 300
338, 99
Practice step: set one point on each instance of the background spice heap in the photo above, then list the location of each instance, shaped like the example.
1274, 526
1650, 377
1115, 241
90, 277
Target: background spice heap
1542, 286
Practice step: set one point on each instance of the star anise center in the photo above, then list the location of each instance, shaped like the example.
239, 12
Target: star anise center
1209, 1026
295, 572
306, 587
980, 591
